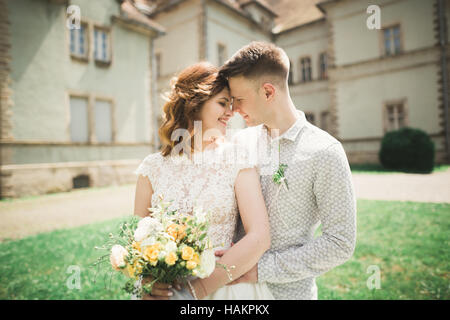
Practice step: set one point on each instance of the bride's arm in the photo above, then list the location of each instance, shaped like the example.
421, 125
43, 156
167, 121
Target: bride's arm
143, 196
245, 253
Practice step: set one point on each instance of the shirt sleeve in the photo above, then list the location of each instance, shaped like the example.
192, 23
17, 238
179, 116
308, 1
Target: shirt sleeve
335, 199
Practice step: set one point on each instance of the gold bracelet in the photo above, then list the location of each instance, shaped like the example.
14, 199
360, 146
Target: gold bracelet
192, 289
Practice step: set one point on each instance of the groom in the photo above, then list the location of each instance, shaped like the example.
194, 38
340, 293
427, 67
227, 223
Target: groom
319, 184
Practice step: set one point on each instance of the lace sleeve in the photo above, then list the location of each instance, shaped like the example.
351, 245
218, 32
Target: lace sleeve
148, 167
243, 160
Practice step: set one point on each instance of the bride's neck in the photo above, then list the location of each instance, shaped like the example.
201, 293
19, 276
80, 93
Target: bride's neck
207, 144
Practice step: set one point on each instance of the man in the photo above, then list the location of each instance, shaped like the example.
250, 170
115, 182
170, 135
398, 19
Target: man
318, 179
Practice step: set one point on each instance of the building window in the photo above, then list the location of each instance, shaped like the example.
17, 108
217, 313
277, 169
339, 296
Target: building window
291, 76
79, 42
391, 40
221, 54
102, 46
103, 121
81, 181
395, 116
305, 66
323, 66
158, 64
79, 119
324, 120
310, 117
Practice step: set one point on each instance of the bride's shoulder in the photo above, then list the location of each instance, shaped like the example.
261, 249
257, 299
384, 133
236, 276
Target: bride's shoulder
154, 156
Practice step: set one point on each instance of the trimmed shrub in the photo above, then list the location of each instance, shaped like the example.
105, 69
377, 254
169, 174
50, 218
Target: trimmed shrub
407, 150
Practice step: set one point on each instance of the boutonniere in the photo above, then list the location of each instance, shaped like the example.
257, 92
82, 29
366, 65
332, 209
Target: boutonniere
278, 177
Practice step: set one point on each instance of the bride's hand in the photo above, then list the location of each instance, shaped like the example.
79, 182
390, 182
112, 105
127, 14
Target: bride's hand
160, 291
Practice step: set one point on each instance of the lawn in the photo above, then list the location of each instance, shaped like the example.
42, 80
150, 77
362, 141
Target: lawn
379, 169
407, 241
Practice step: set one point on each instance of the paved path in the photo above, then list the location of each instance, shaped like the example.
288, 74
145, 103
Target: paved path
23, 217
433, 187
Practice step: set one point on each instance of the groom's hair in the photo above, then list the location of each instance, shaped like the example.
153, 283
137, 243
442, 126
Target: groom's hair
256, 60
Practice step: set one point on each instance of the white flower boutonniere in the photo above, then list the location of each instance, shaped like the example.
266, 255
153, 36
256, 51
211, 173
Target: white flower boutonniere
278, 177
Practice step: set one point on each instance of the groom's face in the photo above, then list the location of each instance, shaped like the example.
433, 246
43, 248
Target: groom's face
245, 99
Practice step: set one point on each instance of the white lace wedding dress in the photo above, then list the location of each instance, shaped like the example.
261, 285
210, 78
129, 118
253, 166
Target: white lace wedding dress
208, 180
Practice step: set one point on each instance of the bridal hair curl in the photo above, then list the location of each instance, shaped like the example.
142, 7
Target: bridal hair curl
189, 91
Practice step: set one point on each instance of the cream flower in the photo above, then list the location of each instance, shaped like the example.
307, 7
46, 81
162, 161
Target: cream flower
207, 263
117, 257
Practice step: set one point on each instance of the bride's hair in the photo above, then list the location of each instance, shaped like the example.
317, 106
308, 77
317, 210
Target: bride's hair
190, 90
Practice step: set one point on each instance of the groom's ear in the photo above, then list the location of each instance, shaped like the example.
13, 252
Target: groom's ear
268, 90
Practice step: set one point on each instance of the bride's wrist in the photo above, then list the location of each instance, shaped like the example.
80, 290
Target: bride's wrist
198, 288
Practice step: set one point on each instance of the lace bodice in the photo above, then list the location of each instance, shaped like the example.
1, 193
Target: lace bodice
207, 179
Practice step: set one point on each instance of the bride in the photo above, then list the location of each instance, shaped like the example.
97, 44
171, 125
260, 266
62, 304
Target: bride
200, 167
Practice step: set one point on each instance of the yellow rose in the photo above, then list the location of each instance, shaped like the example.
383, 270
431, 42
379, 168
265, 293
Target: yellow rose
170, 259
136, 246
176, 231
196, 258
191, 264
187, 253
151, 253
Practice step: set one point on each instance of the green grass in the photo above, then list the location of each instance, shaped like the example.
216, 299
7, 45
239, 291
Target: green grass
379, 169
408, 241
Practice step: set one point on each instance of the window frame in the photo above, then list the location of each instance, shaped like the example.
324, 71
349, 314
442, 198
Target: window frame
87, 41
108, 31
82, 95
301, 69
321, 77
383, 43
91, 99
386, 104
111, 102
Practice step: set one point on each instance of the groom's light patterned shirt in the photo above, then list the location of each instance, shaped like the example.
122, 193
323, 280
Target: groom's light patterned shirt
320, 192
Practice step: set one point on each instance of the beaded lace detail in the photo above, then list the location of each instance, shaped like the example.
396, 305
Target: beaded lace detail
207, 179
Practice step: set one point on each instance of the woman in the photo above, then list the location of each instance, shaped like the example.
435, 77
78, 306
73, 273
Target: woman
194, 167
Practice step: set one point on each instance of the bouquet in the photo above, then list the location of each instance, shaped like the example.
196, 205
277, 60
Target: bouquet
166, 246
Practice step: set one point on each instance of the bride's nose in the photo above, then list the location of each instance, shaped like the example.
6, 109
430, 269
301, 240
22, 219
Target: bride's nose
228, 112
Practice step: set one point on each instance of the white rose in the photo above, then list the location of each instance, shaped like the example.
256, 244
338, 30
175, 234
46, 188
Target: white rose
170, 246
147, 226
148, 242
117, 257
141, 233
207, 263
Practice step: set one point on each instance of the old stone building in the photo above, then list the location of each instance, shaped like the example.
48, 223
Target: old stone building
353, 81
75, 102
82, 108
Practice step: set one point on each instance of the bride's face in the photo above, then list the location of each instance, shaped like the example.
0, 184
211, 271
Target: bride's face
215, 114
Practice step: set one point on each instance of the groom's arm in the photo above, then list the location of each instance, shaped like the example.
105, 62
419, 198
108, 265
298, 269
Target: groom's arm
336, 203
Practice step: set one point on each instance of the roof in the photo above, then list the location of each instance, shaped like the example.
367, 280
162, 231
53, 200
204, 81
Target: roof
288, 14
261, 3
294, 13
131, 14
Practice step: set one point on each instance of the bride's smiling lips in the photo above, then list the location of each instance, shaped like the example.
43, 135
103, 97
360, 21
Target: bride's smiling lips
223, 120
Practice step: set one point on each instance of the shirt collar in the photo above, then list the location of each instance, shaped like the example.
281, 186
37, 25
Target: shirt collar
292, 133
